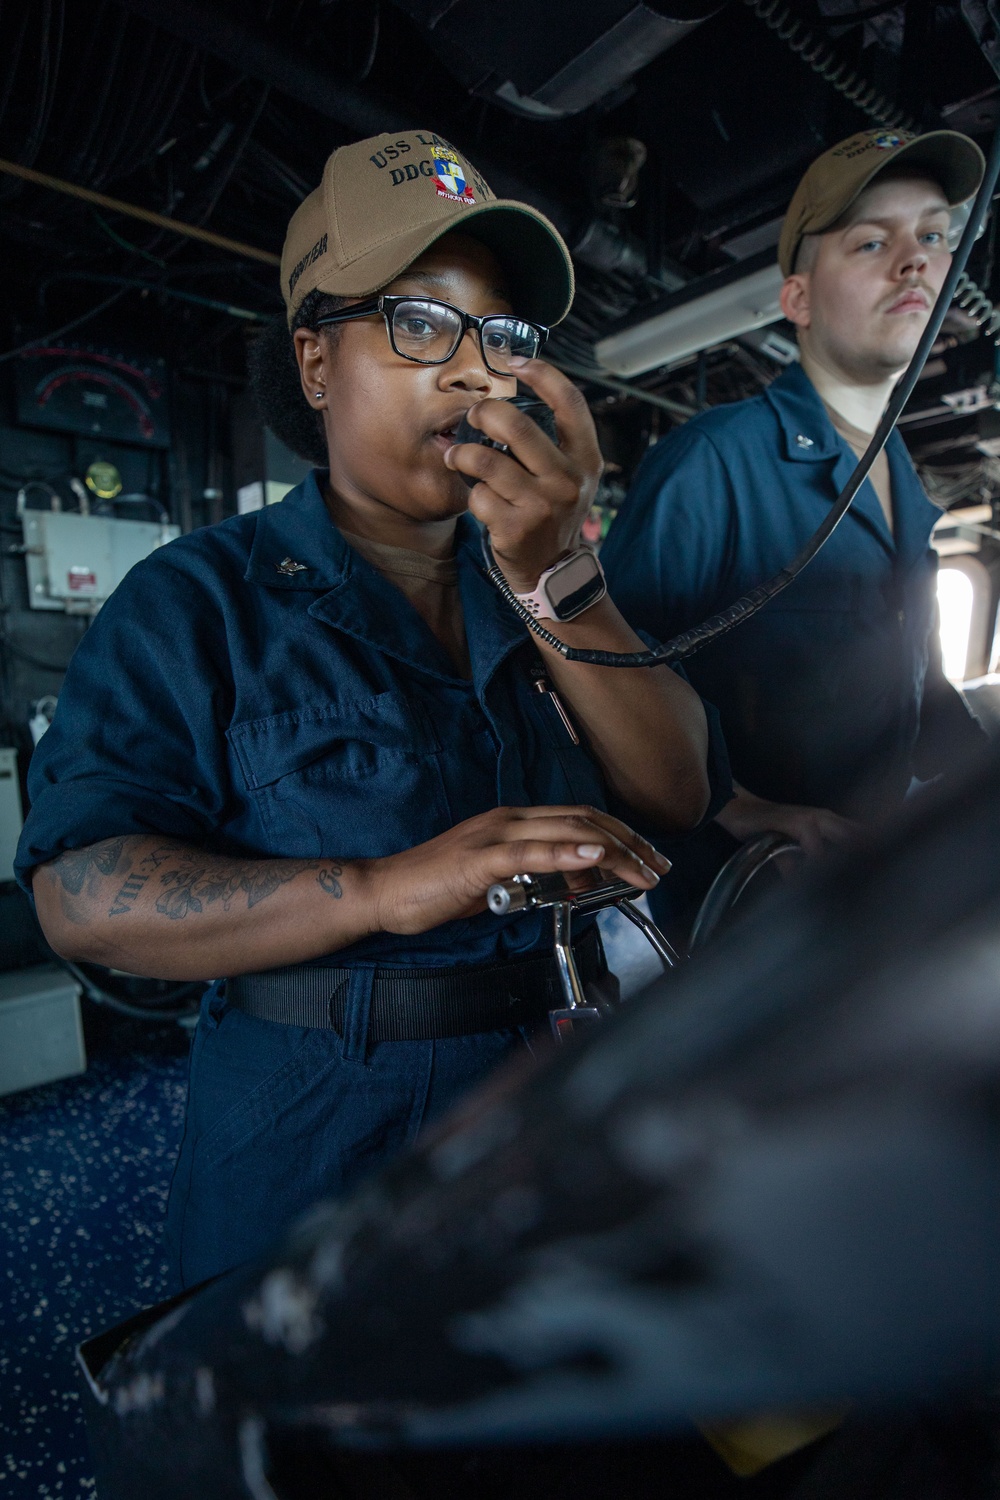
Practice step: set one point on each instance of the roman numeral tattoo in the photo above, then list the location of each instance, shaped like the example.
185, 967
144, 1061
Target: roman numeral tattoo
123, 901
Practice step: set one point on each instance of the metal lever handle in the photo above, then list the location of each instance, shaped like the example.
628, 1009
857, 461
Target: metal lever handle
663, 950
569, 974
576, 1012
537, 892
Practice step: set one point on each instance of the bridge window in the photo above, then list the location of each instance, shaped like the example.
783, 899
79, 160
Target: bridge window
956, 596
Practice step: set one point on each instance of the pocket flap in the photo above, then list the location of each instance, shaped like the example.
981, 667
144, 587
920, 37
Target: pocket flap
270, 748
824, 593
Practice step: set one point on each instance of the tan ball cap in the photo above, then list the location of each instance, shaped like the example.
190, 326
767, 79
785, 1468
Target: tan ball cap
836, 178
384, 200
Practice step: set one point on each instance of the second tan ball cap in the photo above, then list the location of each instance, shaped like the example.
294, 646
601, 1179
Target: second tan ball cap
837, 177
385, 200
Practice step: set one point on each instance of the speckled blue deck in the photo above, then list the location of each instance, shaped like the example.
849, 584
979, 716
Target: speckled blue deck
85, 1166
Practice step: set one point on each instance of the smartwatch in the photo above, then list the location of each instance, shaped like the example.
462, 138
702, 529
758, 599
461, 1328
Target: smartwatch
564, 591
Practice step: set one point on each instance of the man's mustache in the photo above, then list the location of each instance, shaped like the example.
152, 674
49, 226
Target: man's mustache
915, 284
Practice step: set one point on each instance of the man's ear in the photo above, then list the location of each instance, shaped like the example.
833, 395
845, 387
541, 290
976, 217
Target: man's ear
795, 299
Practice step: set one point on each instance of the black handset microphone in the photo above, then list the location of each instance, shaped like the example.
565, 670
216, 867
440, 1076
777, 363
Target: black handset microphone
539, 413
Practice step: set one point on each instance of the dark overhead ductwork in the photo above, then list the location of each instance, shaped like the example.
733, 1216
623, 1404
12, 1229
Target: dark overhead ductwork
252, 51
552, 60
255, 52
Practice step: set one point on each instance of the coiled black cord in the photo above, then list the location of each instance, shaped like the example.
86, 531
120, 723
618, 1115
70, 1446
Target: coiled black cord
974, 301
821, 57
720, 624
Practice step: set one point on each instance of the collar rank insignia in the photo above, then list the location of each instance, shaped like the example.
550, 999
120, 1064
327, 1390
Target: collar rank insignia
289, 567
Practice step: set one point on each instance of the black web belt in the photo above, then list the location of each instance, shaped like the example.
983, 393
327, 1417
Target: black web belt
411, 1005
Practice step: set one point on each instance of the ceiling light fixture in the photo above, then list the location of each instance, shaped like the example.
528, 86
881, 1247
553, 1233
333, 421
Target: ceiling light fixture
709, 311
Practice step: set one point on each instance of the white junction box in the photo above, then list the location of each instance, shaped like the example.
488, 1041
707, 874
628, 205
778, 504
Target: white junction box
75, 562
10, 811
41, 1033
260, 493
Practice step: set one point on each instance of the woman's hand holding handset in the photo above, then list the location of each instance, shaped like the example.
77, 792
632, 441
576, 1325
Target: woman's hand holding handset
534, 499
645, 728
448, 877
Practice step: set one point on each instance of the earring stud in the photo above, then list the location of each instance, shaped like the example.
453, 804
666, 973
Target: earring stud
319, 395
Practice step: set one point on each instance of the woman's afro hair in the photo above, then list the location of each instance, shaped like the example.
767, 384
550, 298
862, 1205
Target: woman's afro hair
274, 379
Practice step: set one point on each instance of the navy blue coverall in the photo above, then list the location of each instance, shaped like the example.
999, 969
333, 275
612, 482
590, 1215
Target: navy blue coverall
250, 710
833, 694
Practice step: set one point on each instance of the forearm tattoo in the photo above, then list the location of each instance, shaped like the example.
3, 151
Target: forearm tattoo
76, 867
192, 888
187, 880
127, 894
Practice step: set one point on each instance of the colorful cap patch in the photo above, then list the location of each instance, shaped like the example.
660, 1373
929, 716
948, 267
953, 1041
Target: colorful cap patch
888, 141
450, 178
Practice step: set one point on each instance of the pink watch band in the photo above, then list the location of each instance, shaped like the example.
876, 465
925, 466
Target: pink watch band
579, 583
538, 602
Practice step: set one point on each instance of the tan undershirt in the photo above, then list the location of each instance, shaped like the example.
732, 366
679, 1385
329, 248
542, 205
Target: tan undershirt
431, 586
858, 441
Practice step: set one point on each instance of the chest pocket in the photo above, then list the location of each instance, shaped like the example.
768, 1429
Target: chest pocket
803, 641
823, 595
357, 779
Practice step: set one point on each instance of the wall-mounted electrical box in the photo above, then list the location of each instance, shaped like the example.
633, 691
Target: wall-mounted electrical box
266, 470
260, 492
75, 562
10, 811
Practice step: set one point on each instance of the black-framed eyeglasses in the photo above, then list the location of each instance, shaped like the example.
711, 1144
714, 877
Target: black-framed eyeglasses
428, 332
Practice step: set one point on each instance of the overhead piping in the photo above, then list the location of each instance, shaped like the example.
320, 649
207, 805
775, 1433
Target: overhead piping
134, 211
131, 283
598, 377
256, 54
